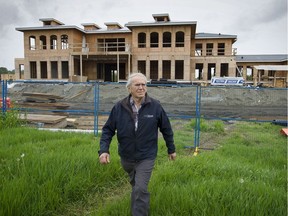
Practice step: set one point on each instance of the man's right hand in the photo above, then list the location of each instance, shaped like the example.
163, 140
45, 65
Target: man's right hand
104, 158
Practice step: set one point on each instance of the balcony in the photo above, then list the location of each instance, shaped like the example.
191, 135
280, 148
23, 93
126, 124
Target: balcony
109, 48
213, 52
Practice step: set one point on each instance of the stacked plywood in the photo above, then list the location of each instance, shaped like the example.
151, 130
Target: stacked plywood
42, 101
46, 121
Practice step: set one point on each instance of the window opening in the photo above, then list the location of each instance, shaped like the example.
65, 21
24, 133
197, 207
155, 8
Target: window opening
43, 43
141, 40
43, 67
142, 67
53, 42
198, 49
180, 39
249, 73
166, 39
211, 71
224, 70
111, 44
33, 70
199, 71
221, 48
154, 39
54, 70
166, 65
64, 42
154, 70
179, 69
209, 49
32, 43
65, 69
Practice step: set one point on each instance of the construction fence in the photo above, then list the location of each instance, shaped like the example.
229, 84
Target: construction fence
85, 106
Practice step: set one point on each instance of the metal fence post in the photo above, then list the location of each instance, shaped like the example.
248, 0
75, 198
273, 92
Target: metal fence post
197, 119
4, 96
96, 107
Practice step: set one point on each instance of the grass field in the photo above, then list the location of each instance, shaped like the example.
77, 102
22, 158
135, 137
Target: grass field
58, 173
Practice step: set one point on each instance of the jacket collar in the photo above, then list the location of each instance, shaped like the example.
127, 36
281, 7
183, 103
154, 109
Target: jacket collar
126, 101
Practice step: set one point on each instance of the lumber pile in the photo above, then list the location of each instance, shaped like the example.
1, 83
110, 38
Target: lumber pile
60, 121
42, 101
46, 121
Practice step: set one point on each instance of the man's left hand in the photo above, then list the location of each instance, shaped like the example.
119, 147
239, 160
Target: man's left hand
172, 156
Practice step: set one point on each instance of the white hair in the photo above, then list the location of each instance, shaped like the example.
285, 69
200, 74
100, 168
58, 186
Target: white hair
132, 75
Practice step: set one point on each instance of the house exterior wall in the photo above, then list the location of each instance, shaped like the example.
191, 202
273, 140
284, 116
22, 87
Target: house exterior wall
161, 53
103, 54
38, 54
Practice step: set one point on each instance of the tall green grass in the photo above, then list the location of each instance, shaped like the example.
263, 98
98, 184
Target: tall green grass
246, 175
57, 173
44, 173
10, 119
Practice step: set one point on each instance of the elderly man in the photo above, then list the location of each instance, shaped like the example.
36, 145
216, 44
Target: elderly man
136, 119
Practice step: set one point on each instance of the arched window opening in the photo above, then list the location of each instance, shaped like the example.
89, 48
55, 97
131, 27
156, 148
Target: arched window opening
142, 40
32, 43
180, 39
43, 43
53, 42
64, 42
154, 39
166, 39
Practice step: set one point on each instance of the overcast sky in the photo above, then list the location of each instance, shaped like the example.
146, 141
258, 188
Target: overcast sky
260, 25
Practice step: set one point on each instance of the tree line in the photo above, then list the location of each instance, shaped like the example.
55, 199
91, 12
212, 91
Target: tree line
4, 70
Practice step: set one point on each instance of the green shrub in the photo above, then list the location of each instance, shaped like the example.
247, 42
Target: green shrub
205, 126
218, 127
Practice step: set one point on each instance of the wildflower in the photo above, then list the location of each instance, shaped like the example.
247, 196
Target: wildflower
241, 181
22, 155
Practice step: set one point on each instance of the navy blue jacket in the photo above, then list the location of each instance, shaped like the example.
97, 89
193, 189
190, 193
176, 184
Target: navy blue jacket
143, 143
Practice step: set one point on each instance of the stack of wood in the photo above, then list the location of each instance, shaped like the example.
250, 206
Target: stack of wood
58, 121
42, 101
45, 121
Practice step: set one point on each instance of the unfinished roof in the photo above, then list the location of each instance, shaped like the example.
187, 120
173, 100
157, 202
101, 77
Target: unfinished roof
161, 17
50, 22
113, 25
272, 67
41, 28
262, 58
109, 31
203, 35
90, 26
160, 20
142, 24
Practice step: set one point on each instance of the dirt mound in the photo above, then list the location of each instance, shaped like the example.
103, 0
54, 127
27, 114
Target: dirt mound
233, 102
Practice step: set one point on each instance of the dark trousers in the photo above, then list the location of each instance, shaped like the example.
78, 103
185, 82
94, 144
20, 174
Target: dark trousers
139, 173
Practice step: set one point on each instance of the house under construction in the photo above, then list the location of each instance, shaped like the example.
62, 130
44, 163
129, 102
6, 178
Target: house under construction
161, 49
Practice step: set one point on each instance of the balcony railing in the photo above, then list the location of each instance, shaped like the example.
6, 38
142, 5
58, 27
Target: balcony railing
214, 52
100, 48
